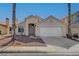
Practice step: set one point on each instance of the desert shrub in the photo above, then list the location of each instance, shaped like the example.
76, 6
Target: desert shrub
69, 36
75, 35
0, 31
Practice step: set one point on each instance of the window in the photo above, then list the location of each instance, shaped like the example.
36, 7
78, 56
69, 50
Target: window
20, 29
10, 29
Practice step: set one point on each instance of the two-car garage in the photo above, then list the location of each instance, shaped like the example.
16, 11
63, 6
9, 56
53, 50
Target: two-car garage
51, 27
51, 31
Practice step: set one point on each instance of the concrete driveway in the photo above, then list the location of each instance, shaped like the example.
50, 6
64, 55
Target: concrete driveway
59, 41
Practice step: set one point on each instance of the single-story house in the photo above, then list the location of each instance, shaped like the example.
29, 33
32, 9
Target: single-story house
35, 25
5, 28
2, 29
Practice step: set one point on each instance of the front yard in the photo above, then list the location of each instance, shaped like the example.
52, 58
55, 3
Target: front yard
39, 45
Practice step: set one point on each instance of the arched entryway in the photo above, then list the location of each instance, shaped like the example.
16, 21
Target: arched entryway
31, 29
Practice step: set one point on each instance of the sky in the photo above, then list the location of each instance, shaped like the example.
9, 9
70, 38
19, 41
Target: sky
58, 10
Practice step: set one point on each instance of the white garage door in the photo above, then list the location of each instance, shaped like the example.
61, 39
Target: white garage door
48, 31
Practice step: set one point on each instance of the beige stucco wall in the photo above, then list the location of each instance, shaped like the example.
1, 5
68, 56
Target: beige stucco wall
19, 25
75, 30
25, 24
33, 20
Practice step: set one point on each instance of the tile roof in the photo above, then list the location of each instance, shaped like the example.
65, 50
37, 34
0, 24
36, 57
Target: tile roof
49, 21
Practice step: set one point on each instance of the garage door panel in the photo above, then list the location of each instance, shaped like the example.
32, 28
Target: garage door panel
48, 31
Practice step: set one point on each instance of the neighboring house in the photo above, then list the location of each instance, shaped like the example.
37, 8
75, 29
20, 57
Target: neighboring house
75, 28
35, 25
74, 23
5, 28
2, 29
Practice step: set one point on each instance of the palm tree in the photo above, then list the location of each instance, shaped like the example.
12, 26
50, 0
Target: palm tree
14, 18
69, 21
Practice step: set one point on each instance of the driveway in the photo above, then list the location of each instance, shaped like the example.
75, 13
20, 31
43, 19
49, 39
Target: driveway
59, 41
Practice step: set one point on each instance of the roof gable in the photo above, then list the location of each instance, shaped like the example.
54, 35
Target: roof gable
51, 21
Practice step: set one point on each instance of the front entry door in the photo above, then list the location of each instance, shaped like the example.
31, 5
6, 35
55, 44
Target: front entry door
32, 29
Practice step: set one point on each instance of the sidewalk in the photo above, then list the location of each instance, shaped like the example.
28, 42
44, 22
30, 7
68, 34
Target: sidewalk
34, 49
